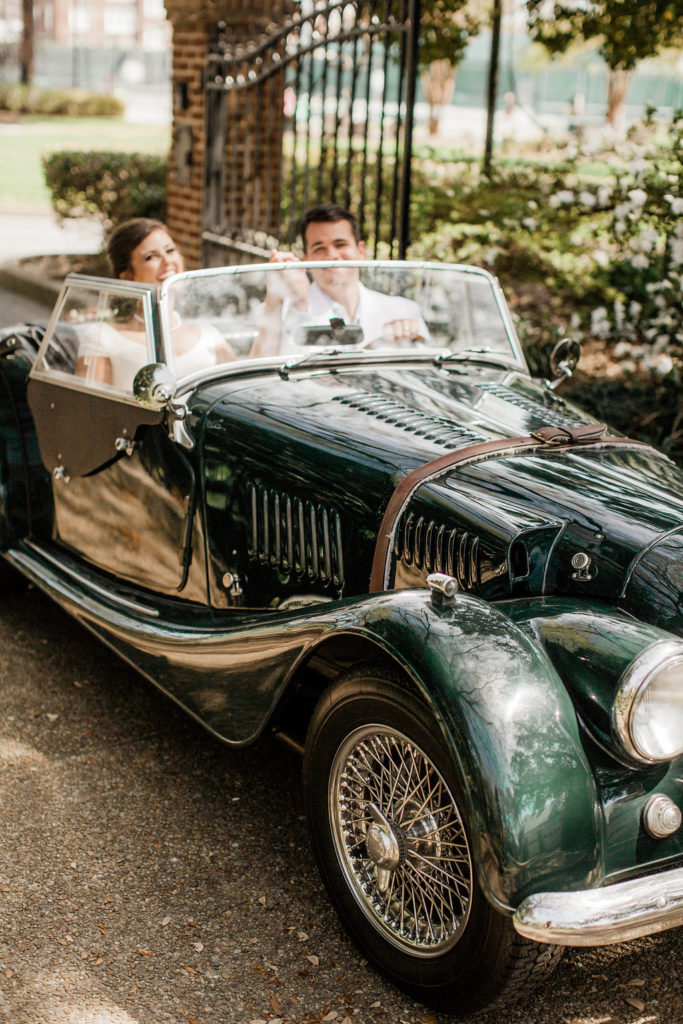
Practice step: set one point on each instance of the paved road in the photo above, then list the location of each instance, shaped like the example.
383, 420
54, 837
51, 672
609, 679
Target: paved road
149, 875
37, 232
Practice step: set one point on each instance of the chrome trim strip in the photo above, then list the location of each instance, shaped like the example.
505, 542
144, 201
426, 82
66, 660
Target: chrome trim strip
23, 562
599, 917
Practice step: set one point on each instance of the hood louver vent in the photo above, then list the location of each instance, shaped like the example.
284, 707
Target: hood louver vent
543, 413
430, 547
295, 536
441, 431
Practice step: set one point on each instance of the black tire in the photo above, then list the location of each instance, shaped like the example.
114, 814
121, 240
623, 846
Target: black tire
386, 815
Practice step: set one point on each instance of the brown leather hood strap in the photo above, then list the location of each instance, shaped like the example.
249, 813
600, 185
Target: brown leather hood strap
593, 435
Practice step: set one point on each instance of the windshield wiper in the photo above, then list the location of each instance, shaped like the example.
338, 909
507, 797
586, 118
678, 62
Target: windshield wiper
335, 350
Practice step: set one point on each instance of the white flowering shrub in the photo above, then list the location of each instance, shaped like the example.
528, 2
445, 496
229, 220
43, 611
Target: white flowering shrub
589, 245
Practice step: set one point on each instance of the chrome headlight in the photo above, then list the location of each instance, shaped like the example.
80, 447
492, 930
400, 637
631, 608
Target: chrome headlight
648, 710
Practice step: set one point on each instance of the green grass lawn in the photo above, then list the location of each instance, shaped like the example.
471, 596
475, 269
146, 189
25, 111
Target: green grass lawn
23, 144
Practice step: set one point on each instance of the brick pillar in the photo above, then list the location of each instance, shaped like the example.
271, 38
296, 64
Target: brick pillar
193, 23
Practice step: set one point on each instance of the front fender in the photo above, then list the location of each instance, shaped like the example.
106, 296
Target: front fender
532, 804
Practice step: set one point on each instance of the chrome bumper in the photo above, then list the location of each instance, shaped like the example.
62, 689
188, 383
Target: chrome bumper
597, 917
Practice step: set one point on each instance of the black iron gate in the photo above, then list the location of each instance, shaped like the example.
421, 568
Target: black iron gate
317, 107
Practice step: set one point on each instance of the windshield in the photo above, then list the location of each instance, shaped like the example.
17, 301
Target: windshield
285, 308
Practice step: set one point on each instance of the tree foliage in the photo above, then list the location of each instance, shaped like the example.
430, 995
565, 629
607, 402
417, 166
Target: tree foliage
627, 31
446, 27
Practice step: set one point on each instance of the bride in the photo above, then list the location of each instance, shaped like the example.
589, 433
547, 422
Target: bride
142, 250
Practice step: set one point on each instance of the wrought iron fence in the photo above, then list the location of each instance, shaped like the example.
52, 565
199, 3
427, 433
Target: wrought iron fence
316, 107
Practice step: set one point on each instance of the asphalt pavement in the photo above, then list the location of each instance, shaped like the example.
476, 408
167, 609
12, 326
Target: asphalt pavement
150, 875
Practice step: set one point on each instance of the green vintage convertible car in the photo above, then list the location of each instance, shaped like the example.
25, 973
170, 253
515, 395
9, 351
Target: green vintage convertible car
456, 593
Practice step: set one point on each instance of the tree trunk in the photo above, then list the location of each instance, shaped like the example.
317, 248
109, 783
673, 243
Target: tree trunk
438, 83
618, 85
492, 92
26, 44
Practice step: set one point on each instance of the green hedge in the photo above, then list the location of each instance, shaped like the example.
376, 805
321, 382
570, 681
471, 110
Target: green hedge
23, 99
110, 187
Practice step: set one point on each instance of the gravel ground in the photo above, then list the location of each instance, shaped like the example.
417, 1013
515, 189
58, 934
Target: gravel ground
149, 874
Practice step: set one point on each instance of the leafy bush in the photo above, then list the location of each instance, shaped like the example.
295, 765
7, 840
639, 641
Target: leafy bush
110, 187
588, 243
23, 99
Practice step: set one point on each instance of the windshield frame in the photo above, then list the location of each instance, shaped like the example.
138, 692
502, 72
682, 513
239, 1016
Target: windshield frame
514, 359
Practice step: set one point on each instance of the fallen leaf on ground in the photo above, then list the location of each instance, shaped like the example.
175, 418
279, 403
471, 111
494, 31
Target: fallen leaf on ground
190, 970
302, 936
275, 1004
145, 952
639, 1005
637, 982
166, 920
315, 960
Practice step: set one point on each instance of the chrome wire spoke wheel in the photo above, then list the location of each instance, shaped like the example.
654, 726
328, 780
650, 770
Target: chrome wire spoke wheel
400, 840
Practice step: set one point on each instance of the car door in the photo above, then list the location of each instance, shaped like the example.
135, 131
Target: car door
124, 491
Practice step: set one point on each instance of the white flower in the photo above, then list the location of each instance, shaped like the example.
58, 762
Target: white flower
665, 364
530, 223
561, 198
634, 309
605, 194
587, 198
622, 349
618, 314
648, 238
676, 250
676, 204
621, 210
638, 197
640, 261
638, 166
600, 325
600, 257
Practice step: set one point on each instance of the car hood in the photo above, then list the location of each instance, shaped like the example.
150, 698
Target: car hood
572, 519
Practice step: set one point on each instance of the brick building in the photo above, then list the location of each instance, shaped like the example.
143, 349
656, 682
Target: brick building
200, 177
125, 24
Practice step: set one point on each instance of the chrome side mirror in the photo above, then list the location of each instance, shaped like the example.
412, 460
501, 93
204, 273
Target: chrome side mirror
563, 360
154, 386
